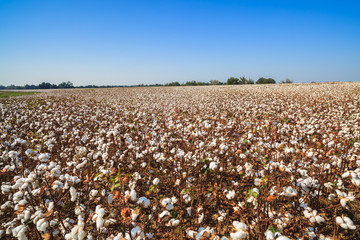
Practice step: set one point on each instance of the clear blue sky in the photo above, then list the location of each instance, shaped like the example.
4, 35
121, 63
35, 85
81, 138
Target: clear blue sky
131, 42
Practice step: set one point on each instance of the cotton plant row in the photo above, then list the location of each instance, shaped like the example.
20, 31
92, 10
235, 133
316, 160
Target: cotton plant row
224, 162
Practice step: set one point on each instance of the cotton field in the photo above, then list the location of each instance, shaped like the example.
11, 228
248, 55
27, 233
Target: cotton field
214, 162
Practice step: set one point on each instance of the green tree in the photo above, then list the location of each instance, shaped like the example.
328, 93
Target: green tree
215, 82
265, 81
242, 80
173, 84
67, 84
287, 80
250, 81
233, 81
44, 85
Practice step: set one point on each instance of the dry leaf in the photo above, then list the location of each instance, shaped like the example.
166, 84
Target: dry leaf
46, 236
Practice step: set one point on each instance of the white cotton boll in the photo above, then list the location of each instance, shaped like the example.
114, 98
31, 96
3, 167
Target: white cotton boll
27, 215
343, 202
348, 220
213, 165
81, 234
319, 219
230, 194
187, 198
143, 165
144, 202
169, 207
177, 182
101, 212
5, 188
238, 235
74, 232
156, 181
345, 175
344, 226
351, 227
109, 222
191, 233
136, 232
53, 223
201, 218
339, 220
307, 214
99, 223
93, 193
134, 216
188, 210
173, 223
44, 157
164, 214
24, 186
42, 224
239, 225
73, 194
133, 195
269, 235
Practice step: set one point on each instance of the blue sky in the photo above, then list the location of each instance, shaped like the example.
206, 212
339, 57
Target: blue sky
131, 42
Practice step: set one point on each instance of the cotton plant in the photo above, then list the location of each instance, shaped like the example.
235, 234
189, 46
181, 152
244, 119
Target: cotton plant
345, 222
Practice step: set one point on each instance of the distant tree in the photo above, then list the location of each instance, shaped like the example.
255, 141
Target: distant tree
173, 84
250, 81
2, 87
265, 81
194, 83
67, 84
44, 85
30, 86
287, 80
242, 80
232, 81
215, 82
12, 86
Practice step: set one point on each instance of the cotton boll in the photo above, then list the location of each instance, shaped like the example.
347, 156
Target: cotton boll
191, 233
238, 235
239, 225
173, 223
144, 202
230, 194
136, 233
133, 195
44, 157
81, 234
93, 193
73, 194
99, 223
339, 220
269, 235
319, 219
213, 165
343, 202
156, 181
42, 224
188, 210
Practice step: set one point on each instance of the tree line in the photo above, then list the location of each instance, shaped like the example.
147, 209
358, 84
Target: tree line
230, 81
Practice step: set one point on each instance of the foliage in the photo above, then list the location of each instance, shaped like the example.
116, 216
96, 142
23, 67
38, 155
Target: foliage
265, 81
